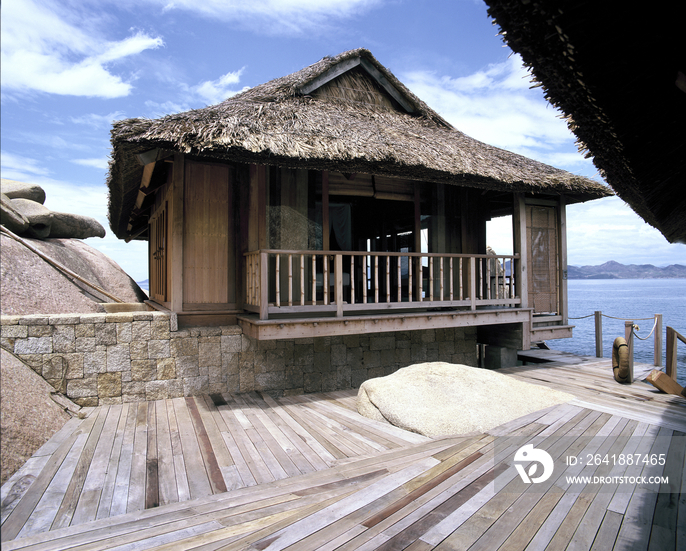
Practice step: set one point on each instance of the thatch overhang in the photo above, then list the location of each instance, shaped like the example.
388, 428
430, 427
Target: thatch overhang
295, 122
618, 71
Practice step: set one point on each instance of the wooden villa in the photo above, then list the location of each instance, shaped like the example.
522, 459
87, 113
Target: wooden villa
333, 201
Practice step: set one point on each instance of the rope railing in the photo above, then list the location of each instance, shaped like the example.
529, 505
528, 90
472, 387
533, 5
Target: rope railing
630, 330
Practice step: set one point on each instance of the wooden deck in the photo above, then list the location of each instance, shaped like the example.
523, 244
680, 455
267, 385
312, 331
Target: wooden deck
307, 472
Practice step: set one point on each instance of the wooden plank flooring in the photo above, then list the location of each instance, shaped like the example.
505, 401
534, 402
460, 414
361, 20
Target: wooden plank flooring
307, 472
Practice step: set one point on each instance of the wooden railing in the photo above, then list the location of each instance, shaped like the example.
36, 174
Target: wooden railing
288, 282
672, 336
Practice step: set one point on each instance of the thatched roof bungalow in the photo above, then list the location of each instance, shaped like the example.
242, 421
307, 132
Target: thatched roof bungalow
338, 173
618, 73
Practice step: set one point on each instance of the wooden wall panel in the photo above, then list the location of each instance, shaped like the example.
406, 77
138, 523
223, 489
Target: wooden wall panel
209, 240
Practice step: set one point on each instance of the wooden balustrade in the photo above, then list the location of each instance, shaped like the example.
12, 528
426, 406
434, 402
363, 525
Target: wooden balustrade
321, 281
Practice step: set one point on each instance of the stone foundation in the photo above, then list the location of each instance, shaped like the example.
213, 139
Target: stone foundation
124, 357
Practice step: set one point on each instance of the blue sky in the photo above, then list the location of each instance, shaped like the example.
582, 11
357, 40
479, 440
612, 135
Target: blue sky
69, 68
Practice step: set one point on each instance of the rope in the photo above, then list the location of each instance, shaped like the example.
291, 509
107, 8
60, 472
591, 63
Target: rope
611, 317
66, 271
635, 328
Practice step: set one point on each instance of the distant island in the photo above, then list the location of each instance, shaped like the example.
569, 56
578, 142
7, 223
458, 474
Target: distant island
615, 270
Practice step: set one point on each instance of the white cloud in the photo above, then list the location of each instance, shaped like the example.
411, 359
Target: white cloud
496, 106
16, 167
98, 121
43, 51
274, 16
215, 91
100, 163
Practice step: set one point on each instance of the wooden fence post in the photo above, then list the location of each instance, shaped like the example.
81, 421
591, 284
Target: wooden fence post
657, 352
598, 334
629, 337
670, 368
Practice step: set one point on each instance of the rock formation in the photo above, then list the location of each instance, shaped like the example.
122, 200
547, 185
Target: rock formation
34, 285
22, 212
30, 416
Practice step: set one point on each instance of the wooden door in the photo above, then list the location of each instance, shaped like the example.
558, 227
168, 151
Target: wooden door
158, 255
541, 230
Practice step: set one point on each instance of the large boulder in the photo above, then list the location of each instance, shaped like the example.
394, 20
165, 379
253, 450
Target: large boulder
75, 226
21, 190
39, 217
31, 285
438, 398
10, 217
30, 415
22, 212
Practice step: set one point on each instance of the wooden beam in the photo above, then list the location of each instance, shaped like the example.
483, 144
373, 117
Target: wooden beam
662, 381
329, 75
386, 85
345, 66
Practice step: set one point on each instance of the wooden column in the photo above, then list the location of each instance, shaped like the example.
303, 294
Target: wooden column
562, 251
417, 243
521, 248
176, 234
598, 334
325, 210
657, 351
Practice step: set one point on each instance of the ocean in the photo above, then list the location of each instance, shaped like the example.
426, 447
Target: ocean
630, 299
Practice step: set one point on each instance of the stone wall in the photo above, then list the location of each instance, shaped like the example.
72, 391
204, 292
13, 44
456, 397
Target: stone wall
112, 358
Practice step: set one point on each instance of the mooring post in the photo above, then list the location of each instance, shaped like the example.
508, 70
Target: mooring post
629, 337
598, 334
657, 353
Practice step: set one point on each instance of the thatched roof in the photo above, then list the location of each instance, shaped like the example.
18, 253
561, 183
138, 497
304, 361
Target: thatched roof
618, 71
346, 113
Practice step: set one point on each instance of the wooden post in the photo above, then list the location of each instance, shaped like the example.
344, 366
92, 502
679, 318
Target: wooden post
472, 281
177, 227
264, 286
520, 247
562, 252
657, 352
338, 278
598, 334
670, 368
629, 337
325, 210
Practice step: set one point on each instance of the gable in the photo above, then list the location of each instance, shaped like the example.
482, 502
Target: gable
358, 80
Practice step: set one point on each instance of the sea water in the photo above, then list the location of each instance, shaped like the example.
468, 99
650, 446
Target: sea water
630, 299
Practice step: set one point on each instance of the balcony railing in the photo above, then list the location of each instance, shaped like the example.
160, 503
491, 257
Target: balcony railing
292, 282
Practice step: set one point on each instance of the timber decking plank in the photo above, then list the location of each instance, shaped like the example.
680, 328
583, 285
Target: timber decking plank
136, 494
121, 484
152, 485
316, 521
64, 514
280, 438
216, 429
287, 467
105, 504
214, 473
312, 429
325, 458
167, 489
258, 469
43, 515
196, 473
182, 488
19, 483
607, 533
